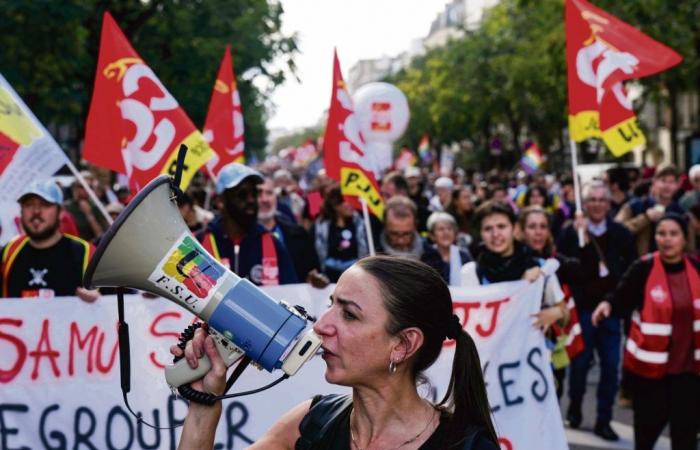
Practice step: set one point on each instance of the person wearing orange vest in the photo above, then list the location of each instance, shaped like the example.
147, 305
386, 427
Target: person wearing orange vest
662, 352
44, 262
236, 239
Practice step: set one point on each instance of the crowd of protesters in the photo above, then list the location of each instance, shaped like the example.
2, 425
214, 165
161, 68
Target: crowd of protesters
627, 261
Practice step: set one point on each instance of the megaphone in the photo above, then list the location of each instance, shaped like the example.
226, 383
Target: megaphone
150, 248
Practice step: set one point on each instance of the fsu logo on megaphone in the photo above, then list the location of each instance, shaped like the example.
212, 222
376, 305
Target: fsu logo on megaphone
150, 248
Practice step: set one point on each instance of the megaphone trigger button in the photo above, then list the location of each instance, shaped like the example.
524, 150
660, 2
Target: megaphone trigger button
305, 348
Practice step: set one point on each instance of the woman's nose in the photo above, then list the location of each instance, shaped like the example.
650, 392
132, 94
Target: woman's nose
323, 325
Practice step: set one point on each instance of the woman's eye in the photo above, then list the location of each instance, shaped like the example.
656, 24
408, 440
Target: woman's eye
348, 315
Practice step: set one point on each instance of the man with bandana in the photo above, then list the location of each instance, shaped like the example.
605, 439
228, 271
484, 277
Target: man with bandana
44, 262
236, 239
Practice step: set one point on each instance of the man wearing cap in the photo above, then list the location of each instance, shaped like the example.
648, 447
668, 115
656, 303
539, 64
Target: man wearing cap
236, 239
44, 262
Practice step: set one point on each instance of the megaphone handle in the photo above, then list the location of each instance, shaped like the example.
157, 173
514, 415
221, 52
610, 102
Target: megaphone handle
181, 373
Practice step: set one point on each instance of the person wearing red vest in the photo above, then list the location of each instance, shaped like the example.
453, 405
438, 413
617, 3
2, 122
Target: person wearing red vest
236, 239
44, 262
662, 352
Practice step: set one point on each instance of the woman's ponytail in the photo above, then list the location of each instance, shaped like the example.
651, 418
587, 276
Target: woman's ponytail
466, 392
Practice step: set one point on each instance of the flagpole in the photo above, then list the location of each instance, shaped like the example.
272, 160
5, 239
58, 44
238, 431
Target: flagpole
577, 190
90, 192
368, 227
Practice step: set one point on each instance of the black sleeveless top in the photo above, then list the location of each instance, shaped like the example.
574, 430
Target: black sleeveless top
327, 427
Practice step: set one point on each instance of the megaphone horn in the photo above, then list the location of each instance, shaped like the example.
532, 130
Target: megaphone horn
150, 248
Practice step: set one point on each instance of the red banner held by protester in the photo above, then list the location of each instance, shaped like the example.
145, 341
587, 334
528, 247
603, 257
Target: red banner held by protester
601, 52
344, 149
223, 127
135, 126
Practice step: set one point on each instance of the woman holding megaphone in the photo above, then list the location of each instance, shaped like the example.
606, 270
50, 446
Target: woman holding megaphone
387, 320
662, 352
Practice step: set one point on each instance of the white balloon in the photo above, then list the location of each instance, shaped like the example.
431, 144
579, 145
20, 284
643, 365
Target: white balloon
382, 111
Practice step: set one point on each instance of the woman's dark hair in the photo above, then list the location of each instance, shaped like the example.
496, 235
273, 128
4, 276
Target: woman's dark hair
406, 284
490, 208
463, 218
542, 191
332, 199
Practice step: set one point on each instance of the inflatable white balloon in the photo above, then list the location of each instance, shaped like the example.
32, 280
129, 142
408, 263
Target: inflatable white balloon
382, 113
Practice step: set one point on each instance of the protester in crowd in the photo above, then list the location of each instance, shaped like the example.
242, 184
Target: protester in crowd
535, 229
340, 237
447, 258
619, 185
290, 202
298, 242
662, 353
393, 184
498, 192
378, 318
87, 216
641, 214
400, 236
692, 197
607, 252
414, 179
502, 258
461, 207
44, 262
236, 239
187, 209
443, 190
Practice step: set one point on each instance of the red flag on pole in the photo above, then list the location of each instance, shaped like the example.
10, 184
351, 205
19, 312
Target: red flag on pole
601, 53
344, 149
135, 126
223, 127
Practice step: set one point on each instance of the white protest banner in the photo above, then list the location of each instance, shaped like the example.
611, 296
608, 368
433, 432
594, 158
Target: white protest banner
59, 374
27, 153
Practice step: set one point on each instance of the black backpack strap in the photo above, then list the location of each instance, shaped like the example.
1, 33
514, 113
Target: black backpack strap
322, 414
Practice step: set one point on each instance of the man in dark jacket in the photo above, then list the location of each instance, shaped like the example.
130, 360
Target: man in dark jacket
608, 251
295, 238
237, 240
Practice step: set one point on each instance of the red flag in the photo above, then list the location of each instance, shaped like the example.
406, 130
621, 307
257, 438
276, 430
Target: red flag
135, 126
223, 127
601, 53
344, 149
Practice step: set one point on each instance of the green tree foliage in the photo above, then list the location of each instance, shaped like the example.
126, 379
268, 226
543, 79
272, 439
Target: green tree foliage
507, 78
50, 48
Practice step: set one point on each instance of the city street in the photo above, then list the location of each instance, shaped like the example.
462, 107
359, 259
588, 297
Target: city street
584, 439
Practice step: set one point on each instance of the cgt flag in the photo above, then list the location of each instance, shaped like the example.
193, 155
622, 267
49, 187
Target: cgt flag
223, 128
344, 149
135, 126
601, 53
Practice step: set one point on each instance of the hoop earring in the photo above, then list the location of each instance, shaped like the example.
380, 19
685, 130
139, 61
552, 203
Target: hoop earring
392, 367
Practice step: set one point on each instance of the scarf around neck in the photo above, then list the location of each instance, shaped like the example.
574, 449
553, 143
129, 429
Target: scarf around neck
496, 268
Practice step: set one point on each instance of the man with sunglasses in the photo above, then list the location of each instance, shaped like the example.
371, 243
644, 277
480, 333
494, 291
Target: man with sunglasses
236, 239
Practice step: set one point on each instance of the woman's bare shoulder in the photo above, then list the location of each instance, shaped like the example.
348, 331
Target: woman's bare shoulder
284, 434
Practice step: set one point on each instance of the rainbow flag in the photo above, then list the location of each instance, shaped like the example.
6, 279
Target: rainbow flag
424, 149
532, 158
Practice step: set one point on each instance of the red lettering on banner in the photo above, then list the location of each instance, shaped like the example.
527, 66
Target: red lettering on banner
495, 306
105, 368
82, 343
7, 375
154, 330
44, 350
464, 309
505, 443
